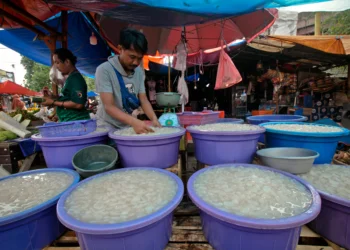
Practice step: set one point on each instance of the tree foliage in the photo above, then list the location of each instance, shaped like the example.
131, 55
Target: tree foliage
338, 24
38, 76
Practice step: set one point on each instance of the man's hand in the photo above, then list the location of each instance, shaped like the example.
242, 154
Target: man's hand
48, 101
156, 123
141, 127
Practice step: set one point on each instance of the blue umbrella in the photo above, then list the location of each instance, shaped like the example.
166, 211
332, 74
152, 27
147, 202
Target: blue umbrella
91, 94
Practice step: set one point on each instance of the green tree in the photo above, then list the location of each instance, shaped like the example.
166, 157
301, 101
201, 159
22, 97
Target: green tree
90, 83
338, 24
37, 75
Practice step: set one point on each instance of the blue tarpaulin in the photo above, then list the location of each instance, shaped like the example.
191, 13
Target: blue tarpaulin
174, 12
192, 78
91, 94
79, 32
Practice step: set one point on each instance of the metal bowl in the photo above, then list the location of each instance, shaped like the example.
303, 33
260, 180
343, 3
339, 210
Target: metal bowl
292, 160
168, 99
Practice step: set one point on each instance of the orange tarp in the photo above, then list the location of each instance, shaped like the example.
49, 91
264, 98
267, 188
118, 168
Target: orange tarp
330, 44
12, 88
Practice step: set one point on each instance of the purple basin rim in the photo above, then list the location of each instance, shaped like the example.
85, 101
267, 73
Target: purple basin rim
245, 132
42, 206
283, 223
68, 138
147, 137
334, 198
103, 229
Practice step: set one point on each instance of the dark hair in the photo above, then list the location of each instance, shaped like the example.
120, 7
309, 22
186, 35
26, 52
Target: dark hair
64, 54
130, 37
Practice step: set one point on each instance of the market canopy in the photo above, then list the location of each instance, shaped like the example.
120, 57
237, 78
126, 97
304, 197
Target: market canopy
339, 44
202, 36
89, 56
12, 88
174, 12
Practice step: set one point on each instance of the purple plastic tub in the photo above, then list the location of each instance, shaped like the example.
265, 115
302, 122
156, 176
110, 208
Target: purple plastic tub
333, 222
226, 231
64, 129
150, 232
159, 151
258, 119
59, 151
216, 147
34, 228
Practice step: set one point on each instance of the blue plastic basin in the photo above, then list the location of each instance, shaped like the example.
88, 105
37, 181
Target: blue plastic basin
324, 143
259, 119
34, 228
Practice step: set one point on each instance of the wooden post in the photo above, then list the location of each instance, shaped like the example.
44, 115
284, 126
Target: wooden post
64, 16
318, 24
169, 77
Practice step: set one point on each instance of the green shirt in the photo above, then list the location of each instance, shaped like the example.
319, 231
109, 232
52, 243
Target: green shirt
75, 90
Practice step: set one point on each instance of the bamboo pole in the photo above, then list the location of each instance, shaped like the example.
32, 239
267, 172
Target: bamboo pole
169, 78
318, 24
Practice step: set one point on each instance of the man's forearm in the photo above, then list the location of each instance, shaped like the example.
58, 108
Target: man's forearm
119, 115
147, 108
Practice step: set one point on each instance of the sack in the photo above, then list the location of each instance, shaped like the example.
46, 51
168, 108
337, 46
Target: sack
227, 74
130, 101
56, 76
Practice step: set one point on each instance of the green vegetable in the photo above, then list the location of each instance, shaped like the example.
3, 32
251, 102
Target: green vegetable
18, 117
26, 123
8, 134
3, 138
25, 115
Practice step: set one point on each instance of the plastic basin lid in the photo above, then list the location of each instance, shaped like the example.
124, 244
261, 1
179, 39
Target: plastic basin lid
283, 223
343, 131
38, 208
102, 229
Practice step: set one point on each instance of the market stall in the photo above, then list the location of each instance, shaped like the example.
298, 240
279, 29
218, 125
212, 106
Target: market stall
265, 207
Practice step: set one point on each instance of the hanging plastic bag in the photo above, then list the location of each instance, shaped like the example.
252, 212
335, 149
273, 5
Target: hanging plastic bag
181, 57
56, 76
227, 74
182, 89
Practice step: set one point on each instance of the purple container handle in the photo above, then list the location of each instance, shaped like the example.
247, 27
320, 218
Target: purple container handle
42, 206
283, 223
116, 228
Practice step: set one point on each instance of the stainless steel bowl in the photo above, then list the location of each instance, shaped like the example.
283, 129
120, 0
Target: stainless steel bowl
292, 160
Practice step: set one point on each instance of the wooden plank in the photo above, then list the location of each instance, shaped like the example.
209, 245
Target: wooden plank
334, 246
301, 247
187, 222
307, 232
186, 246
27, 163
180, 235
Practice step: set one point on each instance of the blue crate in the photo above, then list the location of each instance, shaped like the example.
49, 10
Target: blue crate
64, 129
